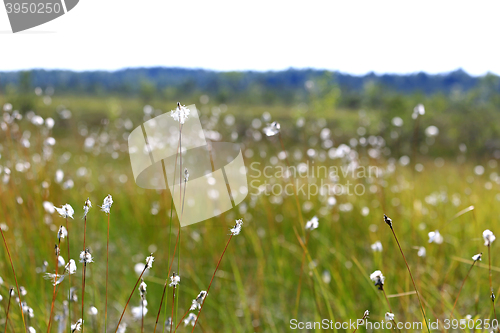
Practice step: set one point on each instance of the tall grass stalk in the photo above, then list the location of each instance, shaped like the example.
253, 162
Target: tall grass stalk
83, 276
15, 279
7, 311
54, 291
491, 284
213, 276
461, 286
69, 277
161, 303
389, 222
107, 271
130, 297
173, 301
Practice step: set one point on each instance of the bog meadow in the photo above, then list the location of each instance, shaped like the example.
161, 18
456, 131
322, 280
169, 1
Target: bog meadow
374, 197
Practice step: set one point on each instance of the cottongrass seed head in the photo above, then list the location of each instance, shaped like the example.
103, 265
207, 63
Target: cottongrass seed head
477, 257
174, 280
62, 233
312, 224
142, 289
86, 207
86, 257
378, 278
272, 129
377, 247
198, 301
388, 220
190, 320
149, 261
237, 228
65, 211
107, 203
70, 267
77, 326
435, 237
181, 113
139, 311
488, 237
389, 316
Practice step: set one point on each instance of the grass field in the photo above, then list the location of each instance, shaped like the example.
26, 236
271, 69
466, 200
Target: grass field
255, 288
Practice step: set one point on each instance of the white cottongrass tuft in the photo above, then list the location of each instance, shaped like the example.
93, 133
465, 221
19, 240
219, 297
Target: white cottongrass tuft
142, 289
31, 329
86, 257
477, 257
122, 328
377, 247
237, 228
70, 267
378, 278
107, 203
139, 311
149, 261
190, 320
389, 316
198, 301
174, 280
77, 326
488, 237
272, 129
62, 233
65, 211
181, 113
54, 278
421, 251
86, 207
312, 224
93, 311
435, 237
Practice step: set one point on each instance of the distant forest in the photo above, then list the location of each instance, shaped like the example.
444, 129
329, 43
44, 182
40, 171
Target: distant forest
288, 86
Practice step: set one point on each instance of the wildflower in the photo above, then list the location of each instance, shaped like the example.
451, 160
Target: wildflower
190, 320
477, 257
435, 236
198, 301
388, 220
70, 267
142, 288
106, 205
180, 114
488, 237
139, 311
65, 211
31, 329
174, 280
77, 326
149, 261
389, 316
377, 247
86, 207
93, 311
312, 224
378, 278
62, 233
421, 252
237, 228
272, 129
86, 257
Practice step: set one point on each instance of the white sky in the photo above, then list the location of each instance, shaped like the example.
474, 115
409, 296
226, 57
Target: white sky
350, 36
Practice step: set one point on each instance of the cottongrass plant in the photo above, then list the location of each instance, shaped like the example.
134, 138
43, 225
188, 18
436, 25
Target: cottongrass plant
310, 226
365, 316
489, 238
86, 208
67, 211
234, 231
11, 293
476, 258
106, 208
388, 221
174, 282
149, 265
